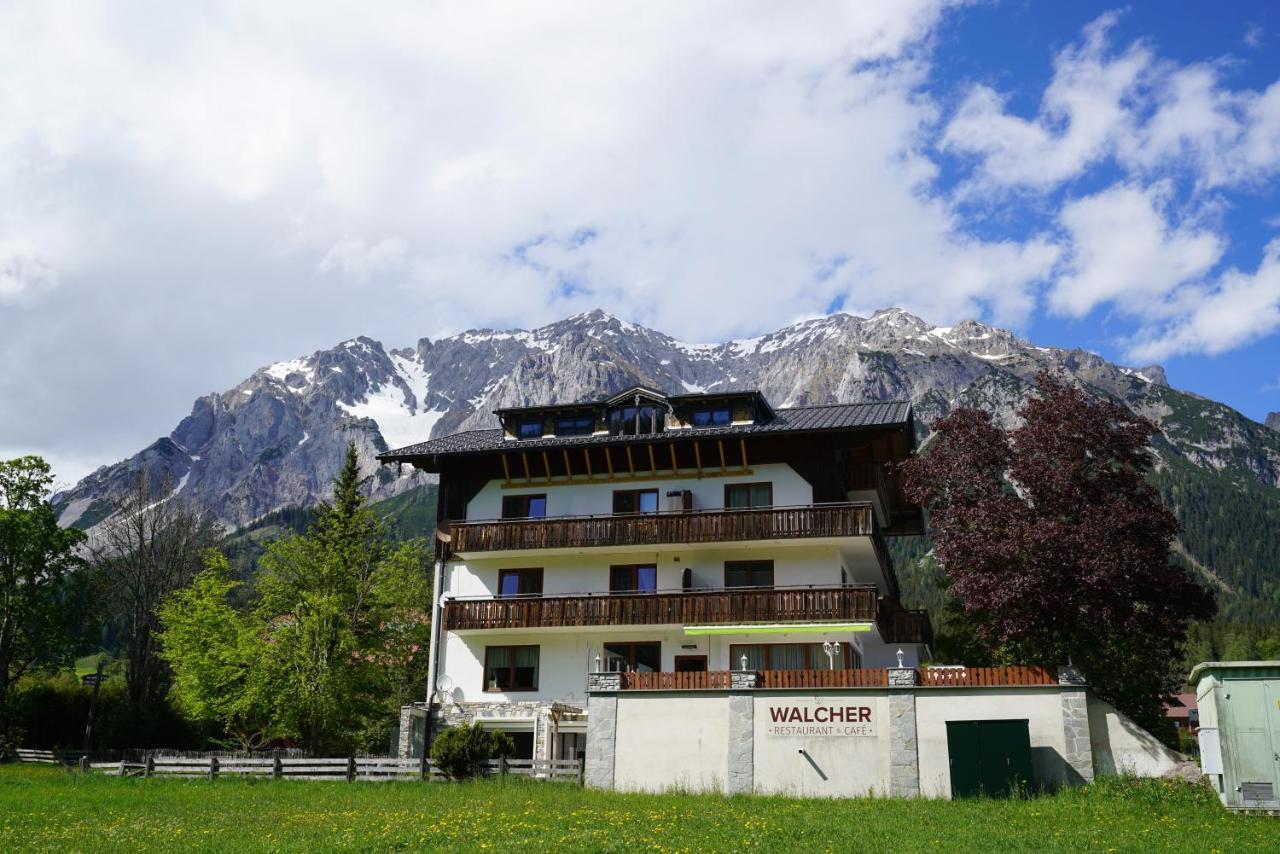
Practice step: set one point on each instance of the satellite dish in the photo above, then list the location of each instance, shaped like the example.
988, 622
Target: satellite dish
442, 533
444, 684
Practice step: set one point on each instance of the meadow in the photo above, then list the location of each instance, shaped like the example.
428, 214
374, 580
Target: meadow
50, 809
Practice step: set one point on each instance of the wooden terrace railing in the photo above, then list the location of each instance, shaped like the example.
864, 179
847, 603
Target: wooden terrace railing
875, 677
676, 528
687, 608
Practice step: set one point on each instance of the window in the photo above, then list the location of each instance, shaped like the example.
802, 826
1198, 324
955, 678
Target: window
635, 501
716, 416
578, 425
691, 664
641, 657
642, 578
792, 656
740, 496
520, 582
511, 668
524, 506
748, 573
632, 421
529, 429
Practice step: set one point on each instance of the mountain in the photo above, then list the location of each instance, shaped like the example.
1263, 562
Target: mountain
276, 440
1273, 421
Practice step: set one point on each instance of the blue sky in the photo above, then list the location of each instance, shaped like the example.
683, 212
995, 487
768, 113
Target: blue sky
190, 194
1011, 46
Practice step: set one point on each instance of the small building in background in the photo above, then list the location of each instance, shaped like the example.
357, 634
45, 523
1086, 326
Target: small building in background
1239, 706
1182, 711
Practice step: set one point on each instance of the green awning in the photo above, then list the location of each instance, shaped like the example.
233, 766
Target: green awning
777, 628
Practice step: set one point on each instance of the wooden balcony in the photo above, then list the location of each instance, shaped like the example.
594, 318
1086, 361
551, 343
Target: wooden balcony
899, 625
669, 528
689, 608
928, 677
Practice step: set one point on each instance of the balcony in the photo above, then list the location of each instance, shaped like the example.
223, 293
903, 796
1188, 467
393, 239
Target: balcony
927, 677
899, 625
688, 608
668, 528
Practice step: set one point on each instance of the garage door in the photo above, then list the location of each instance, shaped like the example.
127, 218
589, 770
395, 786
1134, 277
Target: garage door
990, 758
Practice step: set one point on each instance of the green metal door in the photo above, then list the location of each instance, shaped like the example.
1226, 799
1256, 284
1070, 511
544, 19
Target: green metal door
1253, 752
991, 758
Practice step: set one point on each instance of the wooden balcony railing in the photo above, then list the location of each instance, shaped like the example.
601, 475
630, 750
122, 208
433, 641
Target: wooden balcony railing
931, 677
680, 527
689, 608
898, 625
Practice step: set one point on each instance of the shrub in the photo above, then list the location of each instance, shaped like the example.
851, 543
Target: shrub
459, 750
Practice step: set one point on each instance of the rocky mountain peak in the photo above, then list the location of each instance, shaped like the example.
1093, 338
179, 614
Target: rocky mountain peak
277, 438
1273, 421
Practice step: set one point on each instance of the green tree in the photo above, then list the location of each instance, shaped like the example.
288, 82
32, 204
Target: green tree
347, 616
223, 668
42, 598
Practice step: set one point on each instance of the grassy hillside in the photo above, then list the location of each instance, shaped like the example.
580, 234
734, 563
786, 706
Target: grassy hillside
46, 809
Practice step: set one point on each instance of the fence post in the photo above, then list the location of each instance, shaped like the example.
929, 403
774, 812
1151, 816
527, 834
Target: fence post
277, 767
502, 766
84, 764
123, 771
213, 767
424, 766
150, 766
582, 771
351, 769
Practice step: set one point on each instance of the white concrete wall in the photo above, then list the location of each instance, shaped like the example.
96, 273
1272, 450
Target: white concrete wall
1120, 746
587, 499
667, 742
829, 766
589, 573
1041, 707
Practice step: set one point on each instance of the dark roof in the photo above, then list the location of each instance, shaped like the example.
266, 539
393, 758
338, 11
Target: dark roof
799, 419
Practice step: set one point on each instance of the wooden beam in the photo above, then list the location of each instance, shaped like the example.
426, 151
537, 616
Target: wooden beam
608, 460
631, 464
743, 442
653, 464
674, 468
506, 469
568, 469
546, 461
586, 455
697, 456
524, 458
720, 445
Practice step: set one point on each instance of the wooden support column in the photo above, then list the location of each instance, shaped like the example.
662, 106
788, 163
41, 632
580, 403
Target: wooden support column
586, 455
631, 464
524, 458
743, 443
546, 461
608, 460
506, 469
675, 469
697, 456
653, 465
568, 469
720, 445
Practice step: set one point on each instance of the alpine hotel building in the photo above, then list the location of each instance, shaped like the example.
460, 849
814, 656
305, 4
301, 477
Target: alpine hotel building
683, 548
667, 538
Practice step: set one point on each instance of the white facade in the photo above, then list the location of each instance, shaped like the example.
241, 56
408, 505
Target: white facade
565, 655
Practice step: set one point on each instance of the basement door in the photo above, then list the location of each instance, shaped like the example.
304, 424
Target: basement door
990, 758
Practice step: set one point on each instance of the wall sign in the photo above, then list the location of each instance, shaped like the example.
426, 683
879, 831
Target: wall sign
819, 719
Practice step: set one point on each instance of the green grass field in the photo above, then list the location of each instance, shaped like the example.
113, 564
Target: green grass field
49, 809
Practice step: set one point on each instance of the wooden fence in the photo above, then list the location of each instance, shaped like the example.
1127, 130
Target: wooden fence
349, 769
961, 677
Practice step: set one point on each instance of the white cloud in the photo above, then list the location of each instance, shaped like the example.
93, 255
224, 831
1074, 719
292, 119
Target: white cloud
1124, 252
1148, 115
1083, 112
1238, 308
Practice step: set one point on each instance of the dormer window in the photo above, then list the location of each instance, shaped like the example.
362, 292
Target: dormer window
636, 420
713, 416
529, 429
578, 425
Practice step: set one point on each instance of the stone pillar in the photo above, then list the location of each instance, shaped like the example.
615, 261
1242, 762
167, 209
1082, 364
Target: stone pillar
1075, 725
742, 733
904, 756
405, 745
602, 729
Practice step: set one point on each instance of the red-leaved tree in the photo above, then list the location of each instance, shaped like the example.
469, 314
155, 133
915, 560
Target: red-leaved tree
1056, 546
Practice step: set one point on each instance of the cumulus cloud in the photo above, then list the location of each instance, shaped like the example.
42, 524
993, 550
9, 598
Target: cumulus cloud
1130, 107
1236, 309
1124, 252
